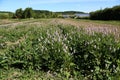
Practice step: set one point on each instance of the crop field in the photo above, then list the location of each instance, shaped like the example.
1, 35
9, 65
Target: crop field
59, 49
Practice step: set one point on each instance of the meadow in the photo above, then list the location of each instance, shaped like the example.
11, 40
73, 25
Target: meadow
59, 49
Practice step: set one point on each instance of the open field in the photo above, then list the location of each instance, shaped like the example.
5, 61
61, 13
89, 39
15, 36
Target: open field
59, 49
106, 27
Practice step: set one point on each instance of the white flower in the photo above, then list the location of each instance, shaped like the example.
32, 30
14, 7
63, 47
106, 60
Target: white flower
95, 46
91, 70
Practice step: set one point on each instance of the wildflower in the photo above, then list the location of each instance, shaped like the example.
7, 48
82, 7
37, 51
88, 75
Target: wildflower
95, 46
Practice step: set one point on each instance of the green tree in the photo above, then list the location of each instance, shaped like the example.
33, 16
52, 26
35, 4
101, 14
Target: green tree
116, 12
19, 13
28, 13
106, 14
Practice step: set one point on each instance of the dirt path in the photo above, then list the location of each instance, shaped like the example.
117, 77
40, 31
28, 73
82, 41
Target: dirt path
17, 23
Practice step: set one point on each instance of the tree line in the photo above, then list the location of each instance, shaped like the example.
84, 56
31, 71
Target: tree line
21, 14
30, 13
46, 14
103, 14
106, 14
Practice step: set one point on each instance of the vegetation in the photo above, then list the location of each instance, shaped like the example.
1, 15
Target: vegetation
106, 14
46, 14
110, 22
19, 13
30, 13
70, 12
27, 13
59, 49
5, 15
64, 51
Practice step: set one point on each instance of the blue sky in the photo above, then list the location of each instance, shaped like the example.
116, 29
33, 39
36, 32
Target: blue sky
58, 5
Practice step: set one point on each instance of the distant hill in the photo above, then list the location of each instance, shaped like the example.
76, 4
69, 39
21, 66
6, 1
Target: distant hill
64, 12
42, 14
70, 12
50, 14
5, 12
42, 11
47, 12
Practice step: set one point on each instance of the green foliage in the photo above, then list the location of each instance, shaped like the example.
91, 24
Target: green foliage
28, 13
82, 18
106, 14
5, 15
70, 12
97, 55
19, 13
45, 14
67, 50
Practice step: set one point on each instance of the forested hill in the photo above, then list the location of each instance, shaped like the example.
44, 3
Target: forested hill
19, 13
50, 14
42, 11
61, 12
5, 12
47, 11
71, 12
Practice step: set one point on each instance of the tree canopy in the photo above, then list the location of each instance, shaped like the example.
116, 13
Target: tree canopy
27, 13
19, 13
106, 14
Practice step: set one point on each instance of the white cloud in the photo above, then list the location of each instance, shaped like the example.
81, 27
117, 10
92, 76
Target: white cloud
63, 1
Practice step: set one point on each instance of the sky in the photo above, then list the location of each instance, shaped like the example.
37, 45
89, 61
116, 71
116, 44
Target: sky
58, 5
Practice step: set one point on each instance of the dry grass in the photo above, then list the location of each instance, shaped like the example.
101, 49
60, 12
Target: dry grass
89, 26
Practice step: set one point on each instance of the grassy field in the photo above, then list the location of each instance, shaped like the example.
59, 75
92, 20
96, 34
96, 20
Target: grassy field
59, 49
110, 22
